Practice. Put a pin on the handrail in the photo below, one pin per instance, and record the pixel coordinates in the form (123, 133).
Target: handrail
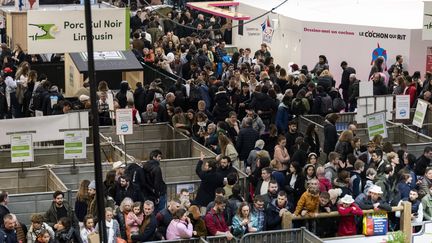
(336, 214)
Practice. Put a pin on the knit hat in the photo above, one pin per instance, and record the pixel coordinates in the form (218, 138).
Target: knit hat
(92, 185)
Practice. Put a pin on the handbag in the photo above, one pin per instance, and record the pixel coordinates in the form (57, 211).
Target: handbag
(375, 224)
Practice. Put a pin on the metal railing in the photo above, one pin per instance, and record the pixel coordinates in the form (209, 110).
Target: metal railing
(300, 235)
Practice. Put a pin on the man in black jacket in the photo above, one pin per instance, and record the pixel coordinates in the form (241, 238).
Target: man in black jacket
(152, 185)
(124, 188)
(246, 139)
(345, 81)
(60, 209)
(423, 161)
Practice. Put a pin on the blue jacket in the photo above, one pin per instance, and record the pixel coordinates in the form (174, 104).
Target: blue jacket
(404, 189)
(239, 230)
(283, 116)
(8, 236)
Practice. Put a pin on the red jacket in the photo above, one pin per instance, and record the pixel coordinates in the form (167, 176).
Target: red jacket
(215, 222)
(324, 184)
(347, 225)
(411, 91)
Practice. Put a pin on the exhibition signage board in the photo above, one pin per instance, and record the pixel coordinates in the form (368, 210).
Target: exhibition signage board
(427, 21)
(54, 31)
(75, 146)
(21, 147)
(420, 113)
(124, 121)
(376, 125)
(402, 107)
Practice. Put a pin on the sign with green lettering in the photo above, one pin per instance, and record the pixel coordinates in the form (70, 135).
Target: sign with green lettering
(54, 31)
(75, 146)
(376, 125)
(22, 148)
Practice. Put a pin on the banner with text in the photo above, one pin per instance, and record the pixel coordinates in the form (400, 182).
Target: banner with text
(376, 125)
(21, 148)
(64, 31)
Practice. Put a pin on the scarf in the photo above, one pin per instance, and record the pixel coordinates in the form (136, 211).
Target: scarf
(110, 231)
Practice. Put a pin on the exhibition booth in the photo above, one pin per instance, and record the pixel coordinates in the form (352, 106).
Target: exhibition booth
(353, 31)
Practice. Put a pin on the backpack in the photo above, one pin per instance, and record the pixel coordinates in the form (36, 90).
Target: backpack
(297, 107)
(338, 104)
(194, 94)
(326, 105)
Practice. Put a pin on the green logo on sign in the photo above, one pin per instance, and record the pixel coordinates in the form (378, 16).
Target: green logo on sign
(42, 31)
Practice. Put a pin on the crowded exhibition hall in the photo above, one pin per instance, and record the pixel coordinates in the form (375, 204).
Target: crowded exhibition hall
(231, 121)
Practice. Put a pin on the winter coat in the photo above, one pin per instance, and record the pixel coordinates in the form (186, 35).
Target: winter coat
(307, 202)
(246, 142)
(343, 149)
(215, 222)
(324, 184)
(366, 203)
(68, 236)
(257, 124)
(427, 207)
(51, 215)
(283, 116)
(147, 231)
(210, 180)
(263, 102)
(153, 185)
(239, 230)
(32, 234)
(273, 219)
(347, 225)
(330, 137)
(295, 193)
(379, 88)
(178, 229)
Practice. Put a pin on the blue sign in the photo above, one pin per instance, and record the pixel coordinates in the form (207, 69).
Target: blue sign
(124, 128)
(402, 112)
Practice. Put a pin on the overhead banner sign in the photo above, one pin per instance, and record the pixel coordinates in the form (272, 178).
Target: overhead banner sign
(376, 124)
(55, 31)
(267, 31)
(420, 113)
(402, 107)
(124, 121)
(75, 146)
(21, 148)
(427, 21)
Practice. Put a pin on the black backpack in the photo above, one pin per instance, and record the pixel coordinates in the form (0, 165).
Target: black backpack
(297, 107)
(338, 104)
(326, 105)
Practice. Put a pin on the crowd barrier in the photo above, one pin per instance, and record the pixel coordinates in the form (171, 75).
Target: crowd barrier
(55, 155)
(397, 132)
(30, 190)
(299, 235)
(405, 219)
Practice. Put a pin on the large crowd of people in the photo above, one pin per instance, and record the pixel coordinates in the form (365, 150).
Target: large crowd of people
(243, 107)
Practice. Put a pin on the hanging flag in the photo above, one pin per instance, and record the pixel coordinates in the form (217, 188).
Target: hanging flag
(267, 30)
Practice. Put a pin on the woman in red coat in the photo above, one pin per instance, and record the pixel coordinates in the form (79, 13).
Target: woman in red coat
(348, 209)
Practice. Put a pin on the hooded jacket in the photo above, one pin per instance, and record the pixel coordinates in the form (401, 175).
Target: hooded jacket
(153, 185)
(347, 223)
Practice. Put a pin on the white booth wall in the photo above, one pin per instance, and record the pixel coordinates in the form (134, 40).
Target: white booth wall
(293, 43)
